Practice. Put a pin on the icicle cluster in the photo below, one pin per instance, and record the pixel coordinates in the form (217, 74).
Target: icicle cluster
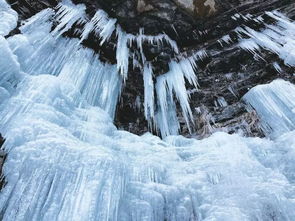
(278, 38)
(170, 84)
(41, 51)
(104, 27)
(68, 59)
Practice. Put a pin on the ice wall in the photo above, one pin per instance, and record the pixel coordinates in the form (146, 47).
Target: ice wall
(67, 161)
(70, 163)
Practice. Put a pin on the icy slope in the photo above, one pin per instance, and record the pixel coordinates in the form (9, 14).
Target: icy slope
(70, 163)
(67, 161)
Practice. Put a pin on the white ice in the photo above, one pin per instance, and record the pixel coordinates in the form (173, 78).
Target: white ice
(149, 99)
(278, 38)
(8, 18)
(67, 161)
(275, 104)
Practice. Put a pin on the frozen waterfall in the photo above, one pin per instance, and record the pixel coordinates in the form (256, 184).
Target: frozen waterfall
(67, 161)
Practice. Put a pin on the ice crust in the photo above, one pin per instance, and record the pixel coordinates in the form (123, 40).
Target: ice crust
(67, 161)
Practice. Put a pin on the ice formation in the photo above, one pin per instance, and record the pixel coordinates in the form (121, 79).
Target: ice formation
(275, 104)
(67, 161)
(149, 106)
(8, 18)
(278, 38)
(104, 27)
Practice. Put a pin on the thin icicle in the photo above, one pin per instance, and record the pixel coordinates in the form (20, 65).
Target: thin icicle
(67, 15)
(122, 53)
(103, 26)
(148, 93)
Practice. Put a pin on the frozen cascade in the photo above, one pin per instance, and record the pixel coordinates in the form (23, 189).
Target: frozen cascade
(67, 161)
(40, 52)
(275, 104)
(70, 163)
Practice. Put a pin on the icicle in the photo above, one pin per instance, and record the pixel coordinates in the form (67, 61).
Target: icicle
(41, 22)
(148, 93)
(225, 39)
(176, 83)
(166, 118)
(278, 38)
(122, 53)
(171, 83)
(67, 15)
(157, 40)
(277, 67)
(102, 25)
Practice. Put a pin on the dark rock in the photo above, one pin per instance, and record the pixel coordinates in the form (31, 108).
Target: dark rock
(2, 159)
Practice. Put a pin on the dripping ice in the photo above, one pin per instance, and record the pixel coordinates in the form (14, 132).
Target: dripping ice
(67, 161)
(277, 38)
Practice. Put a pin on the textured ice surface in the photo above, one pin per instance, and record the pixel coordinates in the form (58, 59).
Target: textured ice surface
(8, 18)
(67, 161)
(275, 105)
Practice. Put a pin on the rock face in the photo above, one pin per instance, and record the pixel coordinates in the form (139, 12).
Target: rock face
(2, 159)
(225, 75)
